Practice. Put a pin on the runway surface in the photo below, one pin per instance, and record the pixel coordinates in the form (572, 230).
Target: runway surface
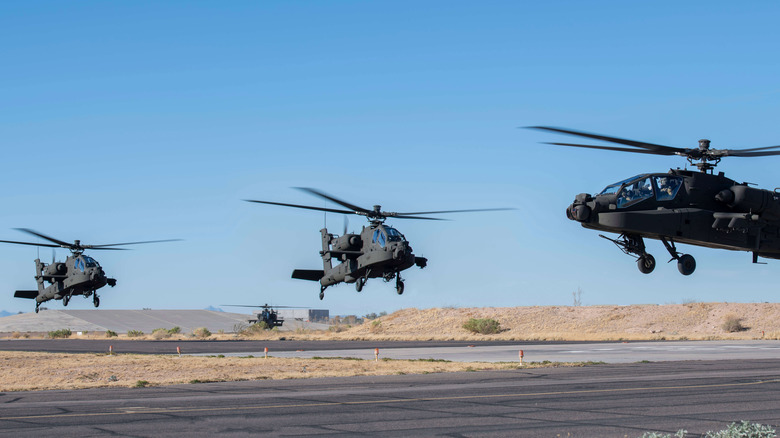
(602, 400)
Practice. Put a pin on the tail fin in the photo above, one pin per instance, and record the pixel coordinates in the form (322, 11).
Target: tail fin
(308, 274)
(30, 294)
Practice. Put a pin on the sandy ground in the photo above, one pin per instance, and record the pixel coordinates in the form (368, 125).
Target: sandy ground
(694, 321)
(23, 371)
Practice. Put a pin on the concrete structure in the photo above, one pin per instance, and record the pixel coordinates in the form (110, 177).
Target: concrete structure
(312, 315)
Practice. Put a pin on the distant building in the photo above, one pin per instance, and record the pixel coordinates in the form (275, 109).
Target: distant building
(310, 315)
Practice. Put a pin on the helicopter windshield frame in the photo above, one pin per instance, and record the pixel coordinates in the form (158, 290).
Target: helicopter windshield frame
(615, 187)
(394, 235)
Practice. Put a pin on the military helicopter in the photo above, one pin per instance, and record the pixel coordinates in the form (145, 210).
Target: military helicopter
(268, 315)
(681, 206)
(79, 274)
(378, 251)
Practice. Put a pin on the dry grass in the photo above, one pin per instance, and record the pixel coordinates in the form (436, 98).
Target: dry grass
(23, 371)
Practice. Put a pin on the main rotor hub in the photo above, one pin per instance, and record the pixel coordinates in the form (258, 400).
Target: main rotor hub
(704, 144)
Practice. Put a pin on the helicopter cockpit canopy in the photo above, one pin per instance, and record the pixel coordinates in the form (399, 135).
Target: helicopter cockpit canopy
(393, 235)
(386, 234)
(636, 189)
(84, 261)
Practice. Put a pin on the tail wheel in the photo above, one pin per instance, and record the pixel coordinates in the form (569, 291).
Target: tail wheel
(359, 283)
(322, 293)
(37, 305)
(646, 264)
(399, 287)
(65, 300)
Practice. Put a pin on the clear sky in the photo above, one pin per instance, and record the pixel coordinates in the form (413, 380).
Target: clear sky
(124, 121)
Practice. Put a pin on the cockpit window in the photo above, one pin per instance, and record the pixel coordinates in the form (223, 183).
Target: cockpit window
(79, 264)
(667, 186)
(634, 192)
(91, 263)
(380, 238)
(393, 235)
(613, 188)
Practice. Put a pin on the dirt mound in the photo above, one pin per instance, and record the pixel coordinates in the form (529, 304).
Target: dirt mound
(693, 321)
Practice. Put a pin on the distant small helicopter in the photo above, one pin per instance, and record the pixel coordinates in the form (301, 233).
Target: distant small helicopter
(79, 274)
(680, 206)
(378, 251)
(268, 315)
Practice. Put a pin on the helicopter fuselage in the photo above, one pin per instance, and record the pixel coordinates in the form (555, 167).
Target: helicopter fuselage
(77, 275)
(379, 251)
(687, 207)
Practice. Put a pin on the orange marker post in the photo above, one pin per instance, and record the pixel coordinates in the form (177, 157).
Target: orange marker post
(521, 357)
(376, 354)
(178, 350)
(110, 350)
(266, 352)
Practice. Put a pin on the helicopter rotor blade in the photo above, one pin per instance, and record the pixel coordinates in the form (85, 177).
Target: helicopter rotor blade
(346, 224)
(324, 195)
(400, 216)
(48, 245)
(107, 245)
(756, 149)
(612, 148)
(43, 236)
(742, 153)
(448, 211)
(331, 210)
(639, 144)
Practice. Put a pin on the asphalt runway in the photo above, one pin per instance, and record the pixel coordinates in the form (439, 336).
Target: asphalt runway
(602, 400)
(236, 347)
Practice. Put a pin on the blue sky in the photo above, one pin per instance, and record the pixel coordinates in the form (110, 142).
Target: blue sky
(124, 121)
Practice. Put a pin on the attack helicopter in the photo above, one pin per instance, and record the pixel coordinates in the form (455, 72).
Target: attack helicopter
(79, 274)
(378, 251)
(268, 315)
(680, 206)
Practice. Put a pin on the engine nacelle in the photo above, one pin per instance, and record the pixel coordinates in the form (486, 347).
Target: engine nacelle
(56, 269)
(746, 199)
(348, 242)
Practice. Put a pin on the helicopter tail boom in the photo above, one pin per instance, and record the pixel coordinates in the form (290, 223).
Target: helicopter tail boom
(308, 274)
(30, 294)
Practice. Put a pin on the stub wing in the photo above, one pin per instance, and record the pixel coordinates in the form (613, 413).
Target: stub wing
(31, 294)
(308, 274)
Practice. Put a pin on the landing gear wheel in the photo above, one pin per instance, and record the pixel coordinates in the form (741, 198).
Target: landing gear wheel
(686, 264)
(36, 307)
(96, 301)
(65, 300)
(359, 283)
(322, 293)
(646, 264)
(399, 287)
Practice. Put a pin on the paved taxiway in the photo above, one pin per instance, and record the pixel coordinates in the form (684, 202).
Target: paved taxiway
(602, 400)
(502, 351)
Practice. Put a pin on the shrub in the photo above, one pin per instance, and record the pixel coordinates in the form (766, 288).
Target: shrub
(111, 334)
(744, 429)
(201, 332)
(62, 333)
(733, 324)
(376, 327)
(134, 333)
(160, 333)
(483, 326)
(175, 331)
(141, 384)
